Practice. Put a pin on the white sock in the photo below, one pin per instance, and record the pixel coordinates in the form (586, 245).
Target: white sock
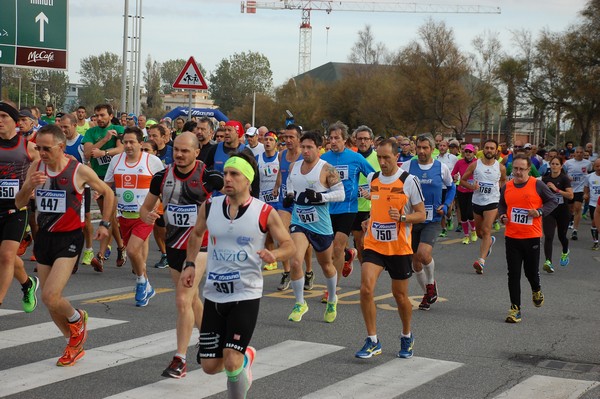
(141, 280)
(181, 355)
(331, 285)
(373, 338)
(74, 317)
(298, 287)
(429, 269)
(405, 335)
(421, 279)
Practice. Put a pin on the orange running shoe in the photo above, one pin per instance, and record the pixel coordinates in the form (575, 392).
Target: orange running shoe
(25, 242)
(78, 330)
(70, 356)
(351, 254)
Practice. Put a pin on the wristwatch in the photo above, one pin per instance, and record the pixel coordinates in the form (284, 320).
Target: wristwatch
(189, 264)
(403, 218)
(104, 223)
(540, 212)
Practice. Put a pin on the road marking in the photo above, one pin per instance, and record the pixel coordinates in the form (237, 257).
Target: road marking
(270, 360)
(121, 297)
(8, 312)
(43, 331)
(540, 386)
(388, 380)
(99, 293)
(19, 379)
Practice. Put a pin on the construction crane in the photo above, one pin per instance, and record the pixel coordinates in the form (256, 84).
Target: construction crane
(306, 6)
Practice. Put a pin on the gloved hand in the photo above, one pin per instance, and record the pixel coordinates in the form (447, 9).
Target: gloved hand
(310, 197)
(288, 200)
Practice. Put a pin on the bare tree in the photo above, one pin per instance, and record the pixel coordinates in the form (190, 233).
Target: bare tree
(366, 51)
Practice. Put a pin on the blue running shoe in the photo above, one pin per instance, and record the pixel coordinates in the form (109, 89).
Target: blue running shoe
(107, 252)
(489, 252)
(140, 292)
(369, 349)
(149, 293)
(406, 347)
(564, 259)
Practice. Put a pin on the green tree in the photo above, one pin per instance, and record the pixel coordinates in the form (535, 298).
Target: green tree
(101, 76)
(57, 83)
(238, 77)
(152, 80)
(512, 73)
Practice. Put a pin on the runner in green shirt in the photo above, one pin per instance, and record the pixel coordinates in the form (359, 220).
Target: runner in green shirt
(102, 142)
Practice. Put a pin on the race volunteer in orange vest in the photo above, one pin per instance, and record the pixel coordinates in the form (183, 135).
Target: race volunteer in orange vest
(523, 202)
(131, 172)
(396, 203)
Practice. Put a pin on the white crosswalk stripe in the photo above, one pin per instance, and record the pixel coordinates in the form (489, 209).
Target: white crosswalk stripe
(381, 381)
(540, 386)
(43, 331)
(384, 381)
(268, 361)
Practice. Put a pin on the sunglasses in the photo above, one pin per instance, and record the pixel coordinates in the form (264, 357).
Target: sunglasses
(146, 149)
(469, 151)
(44, 148)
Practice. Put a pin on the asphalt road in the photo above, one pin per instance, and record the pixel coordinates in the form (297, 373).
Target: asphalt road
(463, 347)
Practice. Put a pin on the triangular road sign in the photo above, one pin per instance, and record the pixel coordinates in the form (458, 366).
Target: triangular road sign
(190, 77)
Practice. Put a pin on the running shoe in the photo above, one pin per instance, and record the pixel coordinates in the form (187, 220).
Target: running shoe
(478, 265)
(88, 255)
(298, 311)
(121, 256)
(496, 225)
(584, 216)
(489, 252)
(78, 330)
(29, 295)
(444, 233)
(330, 312)
(176, 369)
(449, 224)
(548, 268)
(538, 298)
(570, 225)
(163, 263)
(25, 242)
(458, 228)
(325, 296)
(406, 347)
(574, 235)
(250, 355)
(140, 291)
(284, 284)
(309, 278)
(514, 315)
(596, 246)
(350, 254)
(270, 266)
(369, 349)
(473, 236)
(432, 294)
(564, 259)
(149, 294)
(424, 305)
(98, 263)
(466, 240)
(107, 252)
(32, 258)
(70, 356)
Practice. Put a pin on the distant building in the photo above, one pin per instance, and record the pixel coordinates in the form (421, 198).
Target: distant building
(180, 99)
(72, 98)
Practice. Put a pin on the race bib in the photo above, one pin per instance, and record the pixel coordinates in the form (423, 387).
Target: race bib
(343, 171)
(559, 199)
(485, 188)
(51, 201)
(577, 177)
(9, 188)
(521, 216)
(182, 215)
(225, 283)
(267, 196)
(104, 160)
(307, 215)
(384, 232)
(428, 212)
(363, 187)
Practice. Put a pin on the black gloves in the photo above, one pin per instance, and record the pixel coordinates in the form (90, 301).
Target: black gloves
(288, 200)
(310, 197)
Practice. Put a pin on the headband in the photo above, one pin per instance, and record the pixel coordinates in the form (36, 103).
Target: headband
(271, 134)
(10, 110)
(242, 165)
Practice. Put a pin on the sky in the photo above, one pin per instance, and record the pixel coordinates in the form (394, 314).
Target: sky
(211, 30)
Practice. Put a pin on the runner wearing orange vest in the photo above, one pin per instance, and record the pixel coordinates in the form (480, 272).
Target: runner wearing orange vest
(523, 202)
(396, 204)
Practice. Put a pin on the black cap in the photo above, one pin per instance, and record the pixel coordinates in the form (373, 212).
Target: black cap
(27, 114)
(10, 110)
